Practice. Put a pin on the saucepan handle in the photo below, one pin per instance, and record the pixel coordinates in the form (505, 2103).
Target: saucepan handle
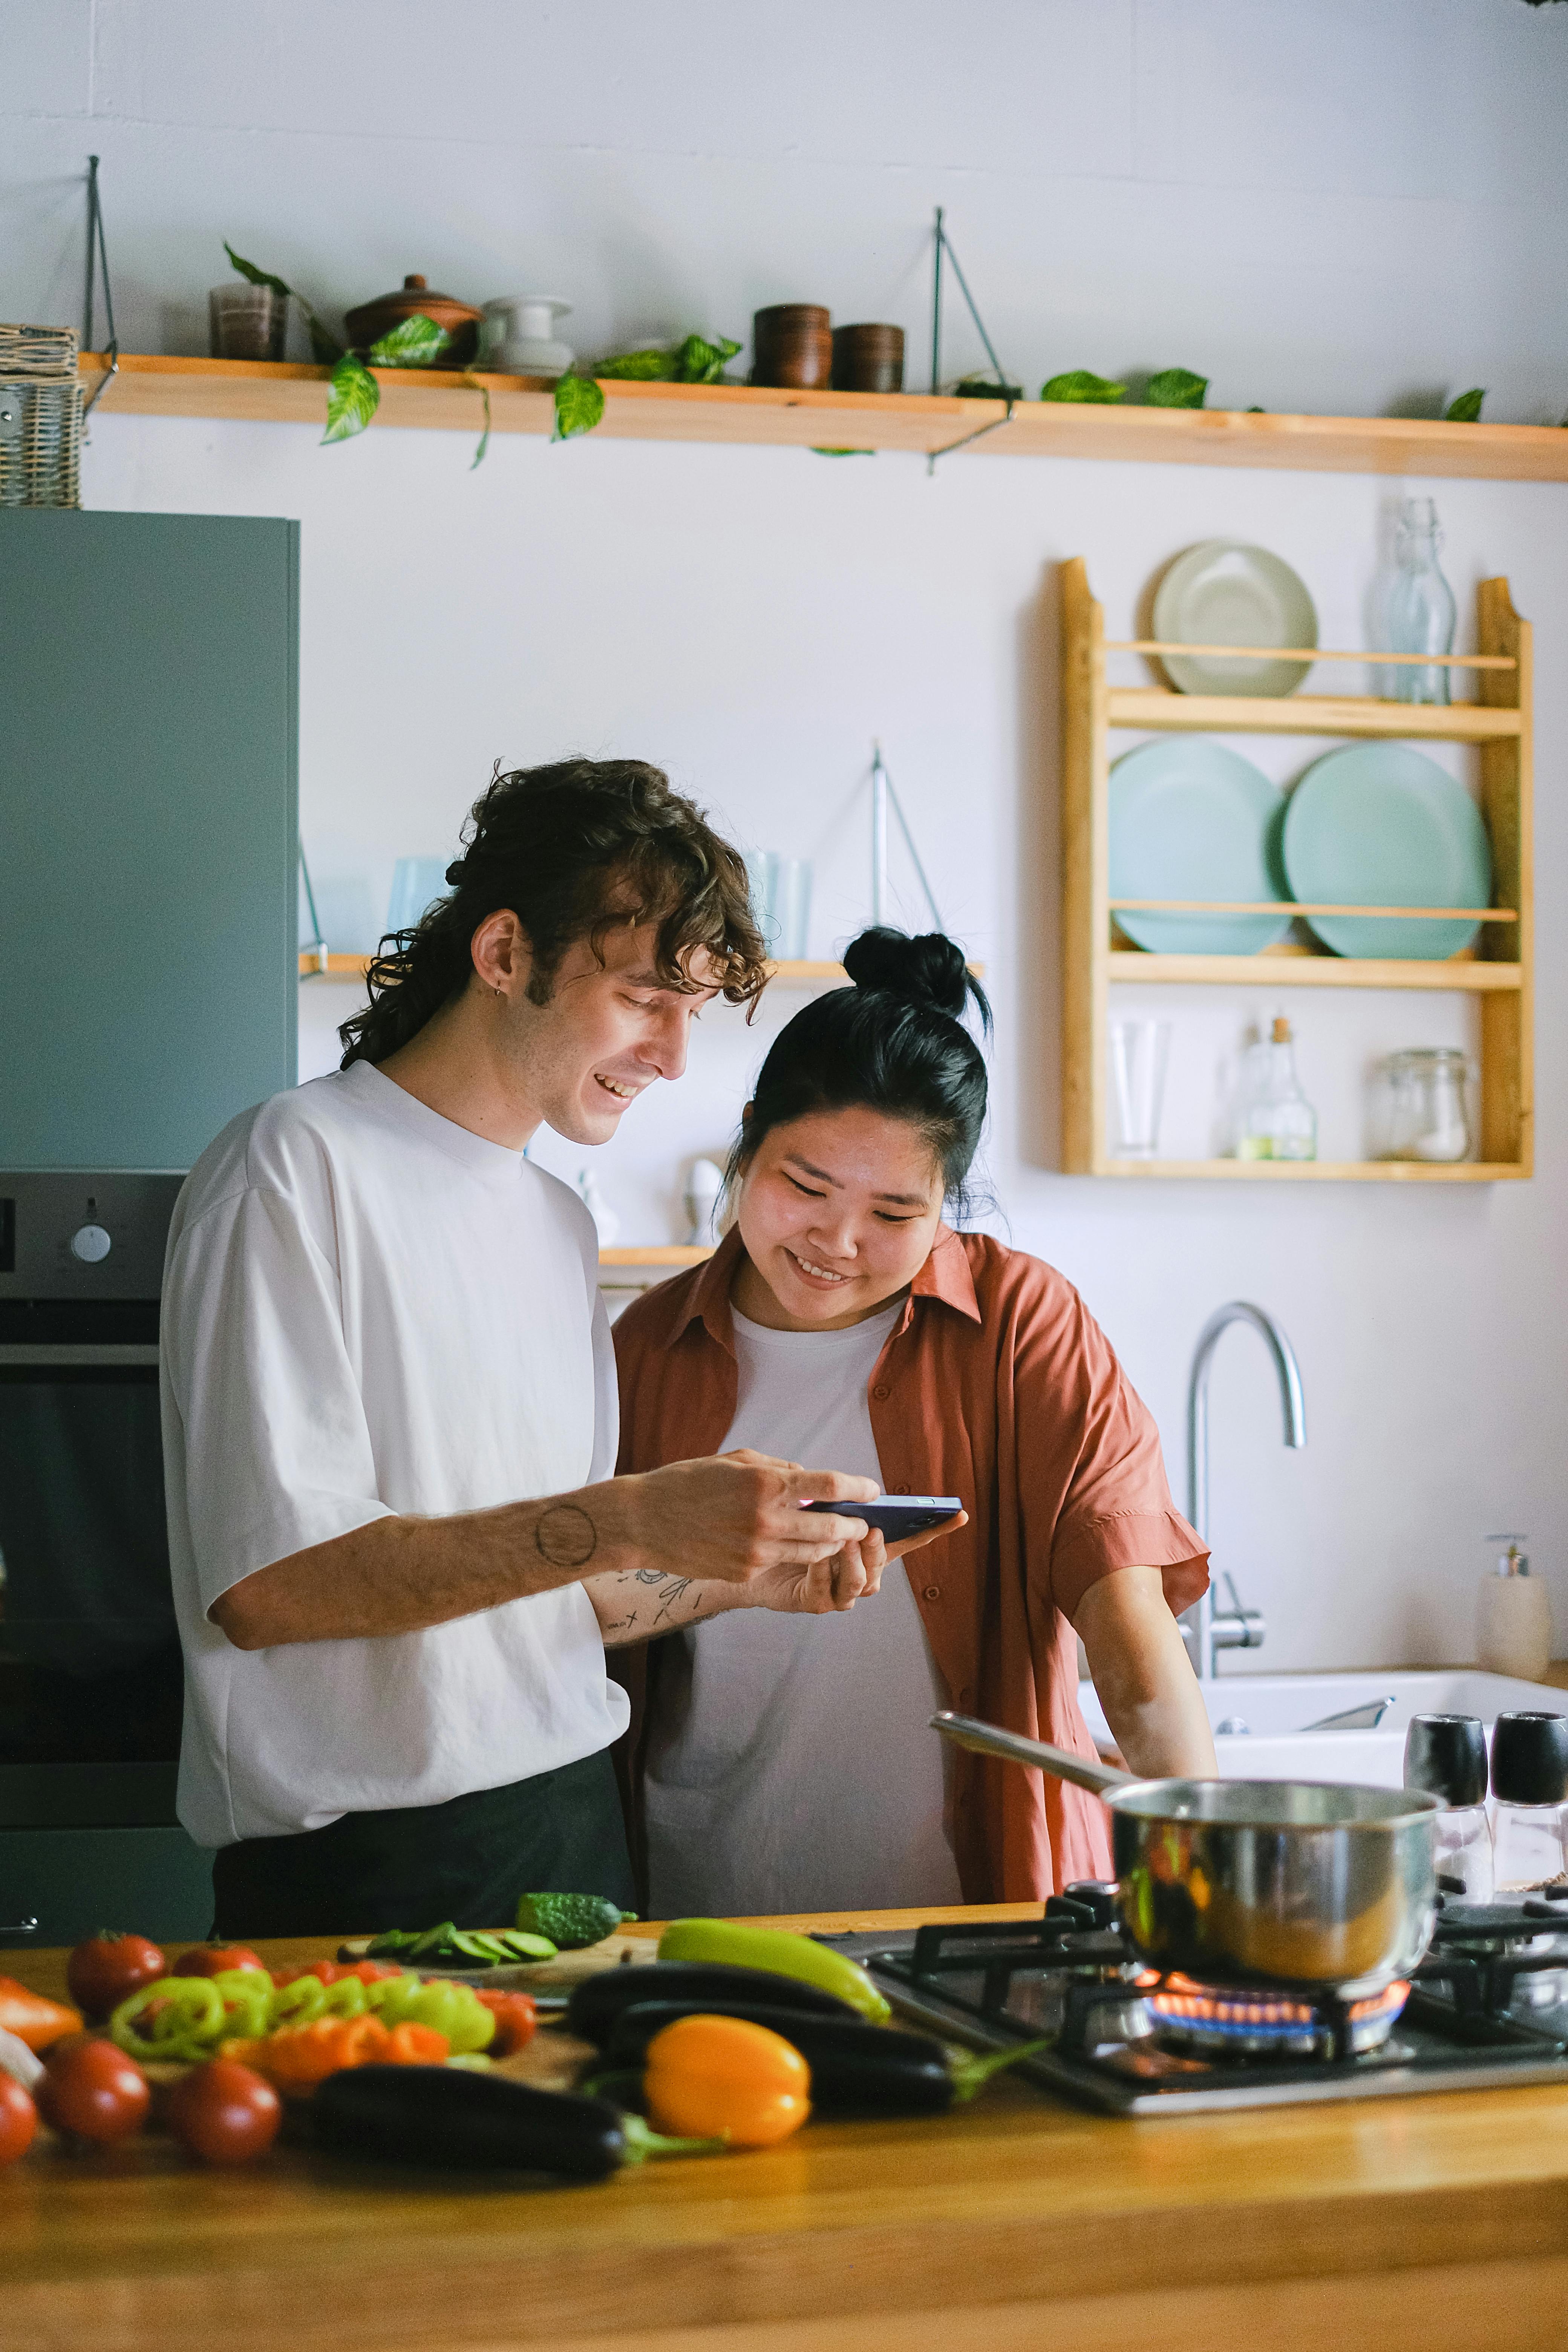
(985, 1739)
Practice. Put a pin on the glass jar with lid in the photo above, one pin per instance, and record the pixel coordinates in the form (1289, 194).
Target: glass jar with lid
(1426, 1113)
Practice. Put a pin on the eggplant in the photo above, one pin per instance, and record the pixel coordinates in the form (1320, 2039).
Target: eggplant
(599, 2001)
(455, 2119)
(854, 2067)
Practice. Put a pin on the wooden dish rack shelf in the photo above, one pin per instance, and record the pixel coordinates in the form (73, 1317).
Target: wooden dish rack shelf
(1499, 970)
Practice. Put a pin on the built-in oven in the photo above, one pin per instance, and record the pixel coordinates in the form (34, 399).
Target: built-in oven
(90, 1675)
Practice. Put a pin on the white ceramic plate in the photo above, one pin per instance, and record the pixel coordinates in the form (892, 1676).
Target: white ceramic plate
(1383, 825)
(1192, 819)
(1225, 593)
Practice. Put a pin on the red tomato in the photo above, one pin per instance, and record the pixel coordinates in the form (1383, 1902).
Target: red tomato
(92, 2089)
(109, 1967)
(211, 1959)
(18, 2120)
(516, 2017)
(224, 2113)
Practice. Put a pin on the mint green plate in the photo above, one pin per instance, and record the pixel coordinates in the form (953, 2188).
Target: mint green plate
(1380, 824)
(1190, 819)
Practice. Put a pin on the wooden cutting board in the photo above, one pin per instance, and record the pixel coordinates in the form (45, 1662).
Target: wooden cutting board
(558, 1975)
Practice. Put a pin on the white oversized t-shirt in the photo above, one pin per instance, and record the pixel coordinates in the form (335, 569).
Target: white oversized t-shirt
(791, 1765)
(370, 1311)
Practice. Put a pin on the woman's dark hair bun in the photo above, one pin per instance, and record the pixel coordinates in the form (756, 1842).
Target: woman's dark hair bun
(927, 970)
(894, 1042)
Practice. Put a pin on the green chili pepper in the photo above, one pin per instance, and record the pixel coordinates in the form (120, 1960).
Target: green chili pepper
(298, 2003)
(345, 1998)
(783, 1955)
(186, 2020)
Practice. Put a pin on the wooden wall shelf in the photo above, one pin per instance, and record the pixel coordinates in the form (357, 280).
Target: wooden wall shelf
(1501, 973)
(666, 1254)
(280, 392)
(784, 976)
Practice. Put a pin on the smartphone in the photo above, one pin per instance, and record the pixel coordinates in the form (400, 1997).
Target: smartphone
(897, 1516)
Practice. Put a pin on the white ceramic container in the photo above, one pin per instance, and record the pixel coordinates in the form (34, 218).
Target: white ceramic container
(518, 336)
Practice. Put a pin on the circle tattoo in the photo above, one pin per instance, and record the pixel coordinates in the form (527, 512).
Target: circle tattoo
(564, 1535)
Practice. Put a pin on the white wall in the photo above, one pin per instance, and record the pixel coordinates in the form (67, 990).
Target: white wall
(1327, 205)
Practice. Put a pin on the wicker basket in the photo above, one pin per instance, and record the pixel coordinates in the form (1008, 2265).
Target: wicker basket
(40, 418)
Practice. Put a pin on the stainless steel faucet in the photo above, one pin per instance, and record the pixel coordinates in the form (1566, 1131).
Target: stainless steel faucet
(1209, 1630)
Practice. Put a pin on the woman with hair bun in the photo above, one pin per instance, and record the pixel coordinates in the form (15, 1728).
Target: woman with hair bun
(783, 1761)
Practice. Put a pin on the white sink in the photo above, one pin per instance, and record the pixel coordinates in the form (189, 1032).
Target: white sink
(1276, 1709)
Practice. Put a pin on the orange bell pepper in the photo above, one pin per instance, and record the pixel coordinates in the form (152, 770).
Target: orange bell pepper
(32, 2019)
(516, 2015)
(297, 2057)
(725, 2078)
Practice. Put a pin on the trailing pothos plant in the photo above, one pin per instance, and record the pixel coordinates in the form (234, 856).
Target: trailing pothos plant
(580, 403)
(354, 394)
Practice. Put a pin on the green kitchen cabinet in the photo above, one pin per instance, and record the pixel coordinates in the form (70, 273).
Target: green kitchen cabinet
(148, 832)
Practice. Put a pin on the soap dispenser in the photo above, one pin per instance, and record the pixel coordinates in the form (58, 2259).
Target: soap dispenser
(1513, 1617)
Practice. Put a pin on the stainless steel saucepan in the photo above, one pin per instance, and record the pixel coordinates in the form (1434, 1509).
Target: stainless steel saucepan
(1306, 1882)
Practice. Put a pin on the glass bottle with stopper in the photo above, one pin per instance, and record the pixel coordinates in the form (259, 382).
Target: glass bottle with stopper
(1277, 1122)
(1420, 611)
(1447, 1754)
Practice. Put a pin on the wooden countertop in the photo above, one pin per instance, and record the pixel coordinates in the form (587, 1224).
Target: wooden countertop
(1014, 2224)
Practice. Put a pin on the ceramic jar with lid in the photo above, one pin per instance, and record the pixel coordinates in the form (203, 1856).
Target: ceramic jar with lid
(415, 300)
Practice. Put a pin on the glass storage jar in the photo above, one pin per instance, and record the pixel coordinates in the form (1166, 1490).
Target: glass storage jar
(1427, 1115)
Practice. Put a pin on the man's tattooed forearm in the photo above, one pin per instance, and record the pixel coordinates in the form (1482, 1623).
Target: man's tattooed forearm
(564, 1535)
(677, 1585)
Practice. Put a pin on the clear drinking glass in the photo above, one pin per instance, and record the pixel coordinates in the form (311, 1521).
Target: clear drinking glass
(1420, 611)
(415, 882)
(791, 908)
(248, 322)
(1139, 1051)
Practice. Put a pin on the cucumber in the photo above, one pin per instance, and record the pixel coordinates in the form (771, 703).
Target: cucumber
(571, 1921)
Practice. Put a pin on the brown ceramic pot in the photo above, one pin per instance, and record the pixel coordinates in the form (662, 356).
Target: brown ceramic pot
(868, 359)
(415, 300)
(792, 345)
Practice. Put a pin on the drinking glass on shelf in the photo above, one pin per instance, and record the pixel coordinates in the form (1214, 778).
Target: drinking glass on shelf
(248, 322)
(1139, 1051)
(791, 908)
(415, 883)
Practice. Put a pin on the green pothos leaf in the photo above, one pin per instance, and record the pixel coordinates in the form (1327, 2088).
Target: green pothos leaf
(637, 367)
(256, 277)
(578, 404)
(1175, 388)
(353, 396)
(701, 362)
(412, 342)
(484, 391)
(1467, 408)
(1082, 384)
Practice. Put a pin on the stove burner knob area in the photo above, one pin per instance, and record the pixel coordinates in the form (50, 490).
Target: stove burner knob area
(91, 1245)
(1097, 1896)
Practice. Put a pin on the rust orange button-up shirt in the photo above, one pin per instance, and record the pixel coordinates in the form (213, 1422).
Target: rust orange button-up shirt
(997, 1385)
